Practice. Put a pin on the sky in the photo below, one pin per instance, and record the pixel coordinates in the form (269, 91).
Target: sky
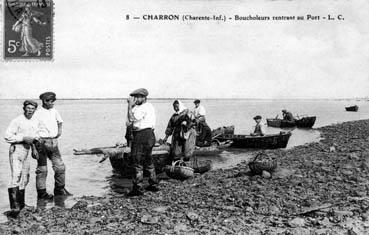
(99, 54)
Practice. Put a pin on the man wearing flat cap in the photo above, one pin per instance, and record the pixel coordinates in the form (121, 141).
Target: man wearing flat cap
(142, 116)
(52, 121)
(22, 132)
(258, 129)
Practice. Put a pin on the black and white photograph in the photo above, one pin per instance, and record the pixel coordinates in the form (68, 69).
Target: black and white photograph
(184, 117)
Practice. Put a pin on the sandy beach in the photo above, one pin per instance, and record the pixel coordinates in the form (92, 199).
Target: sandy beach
(318, 188)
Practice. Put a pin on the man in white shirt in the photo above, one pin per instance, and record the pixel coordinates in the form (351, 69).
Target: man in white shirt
(21, 133)
(52, 121)
(142, 116)
(199, 111)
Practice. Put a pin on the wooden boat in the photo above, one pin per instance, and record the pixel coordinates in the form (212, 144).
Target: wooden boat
(260, 142)
(354, 108)
(303, 122)
(122, 162)
(225, 130)
(276, 122)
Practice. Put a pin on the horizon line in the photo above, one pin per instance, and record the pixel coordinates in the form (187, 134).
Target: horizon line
(186, 98)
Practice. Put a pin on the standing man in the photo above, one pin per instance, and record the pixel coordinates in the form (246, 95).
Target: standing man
(142, 116)
(199, 112)
(52, 121)
(21, 133)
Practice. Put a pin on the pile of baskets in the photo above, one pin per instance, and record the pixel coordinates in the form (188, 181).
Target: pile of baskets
(262, 162)
(179, 170)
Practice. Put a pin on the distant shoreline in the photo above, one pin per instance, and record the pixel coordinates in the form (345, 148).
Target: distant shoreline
(317, 99)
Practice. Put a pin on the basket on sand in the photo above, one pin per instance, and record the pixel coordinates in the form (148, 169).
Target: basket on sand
(262, 162)
(178, 170)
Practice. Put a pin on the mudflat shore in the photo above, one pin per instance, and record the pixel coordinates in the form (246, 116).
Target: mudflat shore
(318, 188)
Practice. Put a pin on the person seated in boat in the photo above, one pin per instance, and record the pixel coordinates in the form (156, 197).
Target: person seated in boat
(287, 116)
(199, 112)
(259, 128)
(182, 129)
(203, 138)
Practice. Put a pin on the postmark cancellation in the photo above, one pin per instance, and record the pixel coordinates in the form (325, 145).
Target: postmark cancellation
(28, 30)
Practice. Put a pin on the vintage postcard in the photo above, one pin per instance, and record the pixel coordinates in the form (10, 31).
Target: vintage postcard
(28, 30)
(184, 117)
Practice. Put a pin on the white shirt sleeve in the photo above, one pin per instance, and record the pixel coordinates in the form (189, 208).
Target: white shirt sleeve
(58, 117)
(12, 135)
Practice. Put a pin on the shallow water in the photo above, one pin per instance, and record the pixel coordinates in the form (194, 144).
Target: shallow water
(97, 123)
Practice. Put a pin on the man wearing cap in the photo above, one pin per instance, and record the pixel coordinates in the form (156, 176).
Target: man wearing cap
(259, 129)
(199, 111)
(287, 116)
(52, 121)
(142, 116)
(203, 130)
(21, 134)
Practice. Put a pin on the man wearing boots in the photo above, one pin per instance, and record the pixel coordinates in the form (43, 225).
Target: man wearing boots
(51, 119)
(21, 133)
(142, 116)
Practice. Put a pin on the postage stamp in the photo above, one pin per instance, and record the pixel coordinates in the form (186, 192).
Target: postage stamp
(28, 30)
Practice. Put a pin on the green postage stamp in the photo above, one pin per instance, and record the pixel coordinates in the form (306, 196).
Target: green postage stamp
(28, 30)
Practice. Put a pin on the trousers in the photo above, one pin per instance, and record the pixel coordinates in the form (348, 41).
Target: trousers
(19, 165)
(141, 154)
(49, 150)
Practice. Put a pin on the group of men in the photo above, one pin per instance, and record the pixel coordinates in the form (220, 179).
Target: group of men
(37, 131)
(184, 127)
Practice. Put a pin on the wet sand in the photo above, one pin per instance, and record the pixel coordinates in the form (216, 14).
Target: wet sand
(318, 188)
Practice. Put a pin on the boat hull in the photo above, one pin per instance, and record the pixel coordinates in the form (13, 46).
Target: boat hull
(258, 142)
(304, 122)
(354, 108)
(121, 162)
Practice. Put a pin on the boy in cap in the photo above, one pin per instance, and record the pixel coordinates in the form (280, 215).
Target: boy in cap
(259, 129)
(51, 119)
(21, 133)
(142, 116)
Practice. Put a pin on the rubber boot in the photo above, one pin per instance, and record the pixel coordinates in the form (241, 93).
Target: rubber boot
(61, 191)
(14, 202)
(136, 191)
(42, 194)
(21, 199)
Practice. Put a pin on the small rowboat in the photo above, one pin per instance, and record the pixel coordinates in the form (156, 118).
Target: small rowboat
(304, 122)
(122, 162)
(276, 122)
(259, 142)
(354, 108)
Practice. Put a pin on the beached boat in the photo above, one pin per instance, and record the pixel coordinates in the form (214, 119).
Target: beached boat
(354, 108)
(303, 122)
(122, 162)
(260, 142)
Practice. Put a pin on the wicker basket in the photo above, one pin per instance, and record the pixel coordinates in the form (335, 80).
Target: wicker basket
(266, 164)
(178, 170)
